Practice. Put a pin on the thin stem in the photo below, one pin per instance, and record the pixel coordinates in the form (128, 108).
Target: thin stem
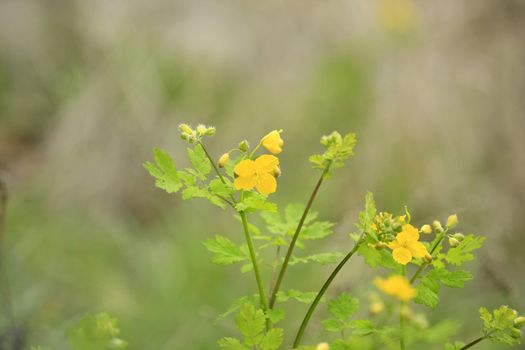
(253, 257)
(284, 266)
(402, 320)
(212, 162)
(425, 264)
(474, 342)
(254, 150)
(321, 292)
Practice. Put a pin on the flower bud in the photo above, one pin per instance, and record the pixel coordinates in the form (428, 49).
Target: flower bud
(184, 136)
(452, 221)
(426, 229)
(210, 131)
(376, 308)
(437, 226)
(185, 128)
(276, 172)
(428, 258)
(322, 346)
(453, 242)
(459, 236)
(380, 245)
(223, 160)
(515, 333)
(519, 322)
(201, 129)
(244, 146)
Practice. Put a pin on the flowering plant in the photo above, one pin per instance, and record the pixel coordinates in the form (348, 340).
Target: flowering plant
(418, 262)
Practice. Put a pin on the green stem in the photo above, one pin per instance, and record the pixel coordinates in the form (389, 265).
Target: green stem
(321, 292)
(474, 342)
(253, 257)
(284, 266)
(212, 162)
(425, 264)
(402, 320)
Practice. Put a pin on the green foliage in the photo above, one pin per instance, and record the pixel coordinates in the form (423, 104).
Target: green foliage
(99, 332)
(251, 322)
(338, 149)
(253, 201)
(428, 289)
(463, 252)
(499, 326)
(164, 171)
(225, 252)
(302, 297)
(341, 309)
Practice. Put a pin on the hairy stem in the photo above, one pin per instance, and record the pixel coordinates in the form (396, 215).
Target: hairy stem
(253, 257)
(474, 342)
(321, 292)
(284, 266)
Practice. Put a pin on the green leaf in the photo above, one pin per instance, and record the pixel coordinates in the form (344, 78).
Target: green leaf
(255, 202)
(201, 163)
(338, 149)
(366, 217)
(343, 306)
(251, 322)
(499, 326)
(321, 258)
(302, 297)
(317, 230)
(225, 252)
(427, 292)
(362, 327)
(272, 340)
(164, 171)
(96, 332)
(333, 325)
(217, 187)
(231, 344)
(462, 253)
(453, 279)
(275, 315)
(234, 307)
(374, 257)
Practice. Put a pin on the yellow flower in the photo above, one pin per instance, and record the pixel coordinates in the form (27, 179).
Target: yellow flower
(223, 160)
(396, 286)
(273, 141)
(322, 346)
(258, 174)
(407, 245)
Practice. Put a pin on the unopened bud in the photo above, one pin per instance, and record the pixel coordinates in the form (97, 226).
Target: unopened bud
(276, 172)
(452, 221)
(201, 129)
(185, 128)
(223, 160)
(459, 236)
(428, 258)
(244, 146)
(519, 322)
(426, 229)
(515, 333)
(376, 308)
(437, 226)
(210, 131)
(453, 242)
(184, 136)
(380, 245)
(322, 346)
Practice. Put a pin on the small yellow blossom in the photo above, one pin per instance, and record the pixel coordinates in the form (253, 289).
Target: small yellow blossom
(452, 221)
(396, 286)
(223, 160)
(426, 229)
(322, 346)
(407, 246)
(273, 141)
(258, 174)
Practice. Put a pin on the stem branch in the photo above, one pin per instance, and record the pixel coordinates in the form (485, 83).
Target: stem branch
(474, 342)
(321, 292)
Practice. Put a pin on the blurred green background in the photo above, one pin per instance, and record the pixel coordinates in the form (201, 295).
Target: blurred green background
(434, 91)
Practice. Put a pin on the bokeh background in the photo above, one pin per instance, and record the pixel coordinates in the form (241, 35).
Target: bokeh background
(434, 90)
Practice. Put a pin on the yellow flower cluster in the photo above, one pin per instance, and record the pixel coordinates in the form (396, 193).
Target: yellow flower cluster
(406, 246)
(396, 286)
(261, 173)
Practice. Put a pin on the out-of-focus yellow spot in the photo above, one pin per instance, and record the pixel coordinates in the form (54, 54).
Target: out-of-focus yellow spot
(396, 286)
(397, 15)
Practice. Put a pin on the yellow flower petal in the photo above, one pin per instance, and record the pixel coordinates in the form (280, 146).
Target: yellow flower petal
(244, 183)
(402, 255)
(396, 286)
(273, 142)
(417, 249)
(266, 163)
(245, 168)
(266, 184)
(409, 233)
